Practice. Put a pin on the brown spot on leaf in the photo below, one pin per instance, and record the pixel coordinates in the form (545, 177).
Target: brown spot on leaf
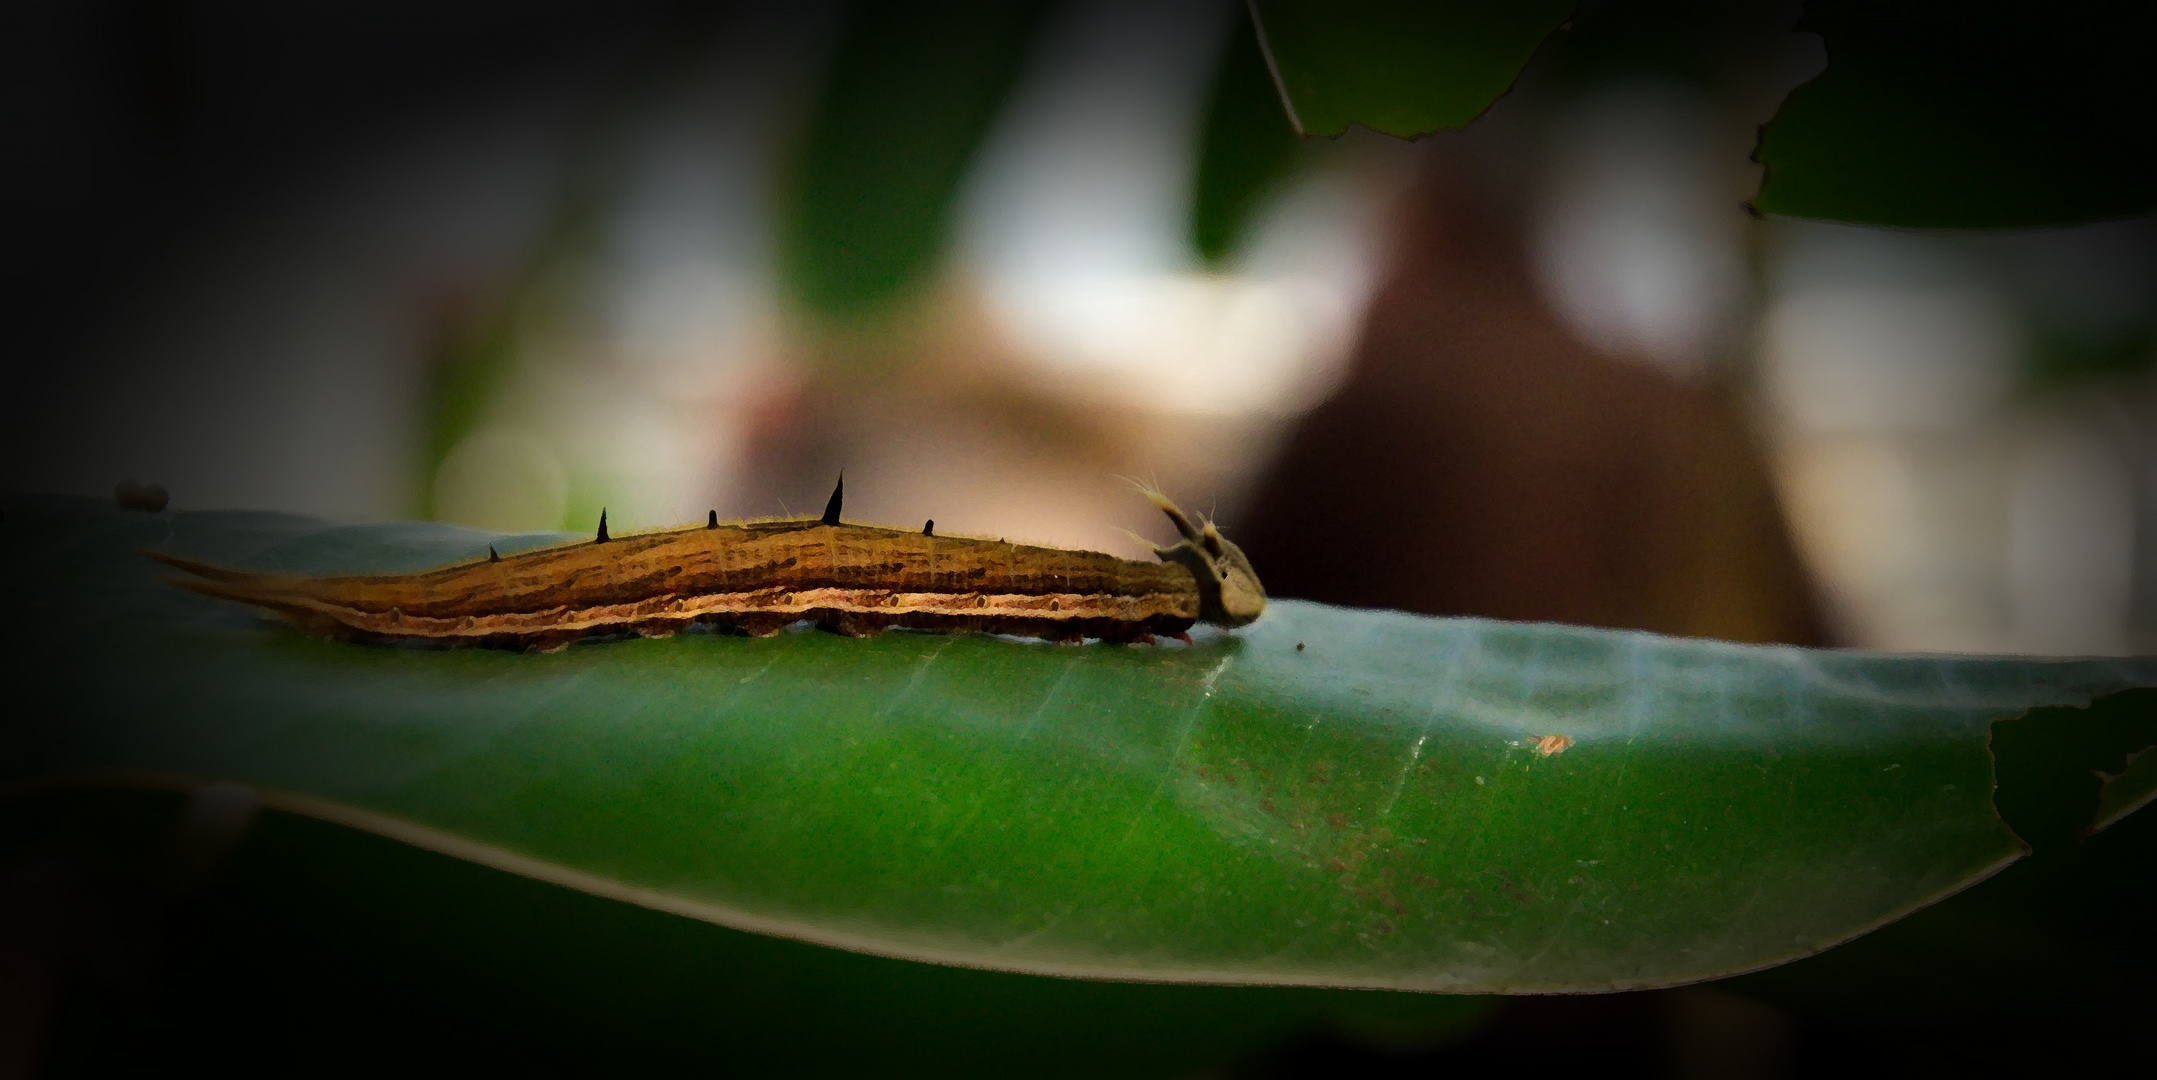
(1552, 745)
(1337, 821)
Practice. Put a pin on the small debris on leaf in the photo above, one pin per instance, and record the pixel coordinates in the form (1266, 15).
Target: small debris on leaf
(1552, 745)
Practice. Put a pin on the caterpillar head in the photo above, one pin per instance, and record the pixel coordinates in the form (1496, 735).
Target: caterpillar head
(1229, 594)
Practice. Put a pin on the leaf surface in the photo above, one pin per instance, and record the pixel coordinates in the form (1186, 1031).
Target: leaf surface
(311, 935)
(1371, 809)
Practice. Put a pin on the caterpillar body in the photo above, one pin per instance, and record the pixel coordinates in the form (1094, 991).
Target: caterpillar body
(759, 577)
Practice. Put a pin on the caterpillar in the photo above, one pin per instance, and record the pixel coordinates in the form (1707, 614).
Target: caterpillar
(759, 577)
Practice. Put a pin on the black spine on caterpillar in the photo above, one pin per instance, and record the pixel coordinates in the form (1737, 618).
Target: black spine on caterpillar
(838, 494)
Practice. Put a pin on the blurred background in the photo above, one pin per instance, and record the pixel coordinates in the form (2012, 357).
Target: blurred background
(505, 264)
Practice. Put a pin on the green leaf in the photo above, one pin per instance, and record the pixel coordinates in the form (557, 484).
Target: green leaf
(313, 935)
(2066, 773)
(1370, 809)
(1246, 148)
(1950, 115)
(2048, 961)
(1399, 67)
(909, 97)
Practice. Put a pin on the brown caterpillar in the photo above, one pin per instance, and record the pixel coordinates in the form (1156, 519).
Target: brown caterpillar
(759, 577)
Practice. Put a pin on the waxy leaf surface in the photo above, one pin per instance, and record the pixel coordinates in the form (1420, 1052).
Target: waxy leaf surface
(1371, 808)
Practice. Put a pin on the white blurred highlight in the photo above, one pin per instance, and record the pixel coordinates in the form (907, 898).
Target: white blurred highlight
(1637, 236)
(1941, 509)
(1073, 224)
(1888, 357)
(665, 337)
(2070, 544)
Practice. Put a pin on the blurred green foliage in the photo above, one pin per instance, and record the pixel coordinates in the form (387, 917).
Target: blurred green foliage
(1938, 114)
(1398, 66)
(910, 95)
(1930, 114)
(2067, 355)
(1246, 148)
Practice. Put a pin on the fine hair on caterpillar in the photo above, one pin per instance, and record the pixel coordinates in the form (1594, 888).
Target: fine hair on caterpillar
(759, 577)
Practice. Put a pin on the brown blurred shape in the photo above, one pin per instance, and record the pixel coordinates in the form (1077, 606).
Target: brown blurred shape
(1480, 461)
